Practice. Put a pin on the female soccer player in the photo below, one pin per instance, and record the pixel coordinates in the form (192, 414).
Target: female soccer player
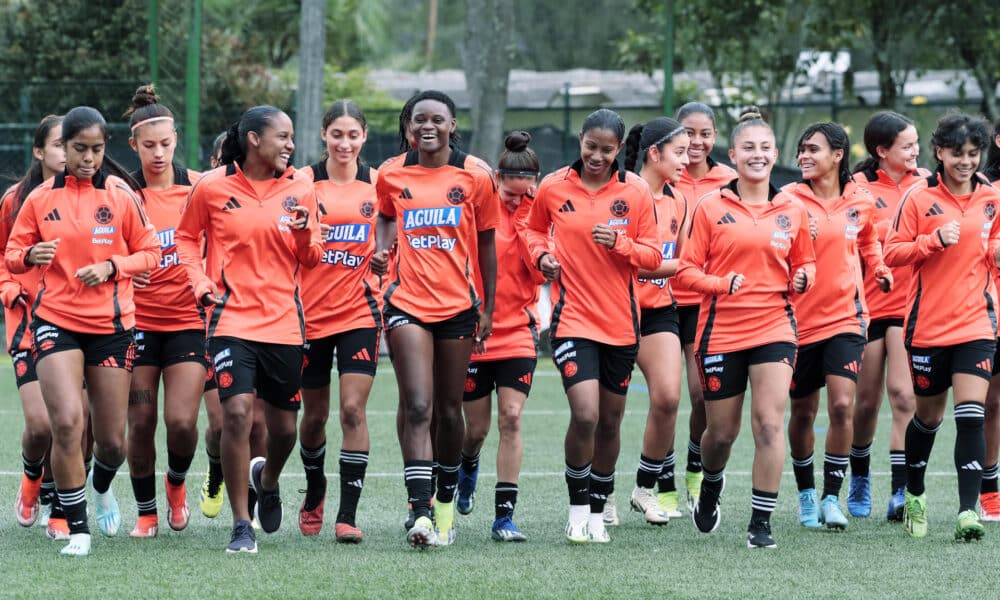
(603, 231)
(441, 205)
(702, 175)
(170, 332)
(748, 250)
(258, 216)
(507, 363)
(889, 170)
(989, 493)
(84, 318)
(37, 489)
(341, 301)
(946, 225)
(832, 318)
(662, 145)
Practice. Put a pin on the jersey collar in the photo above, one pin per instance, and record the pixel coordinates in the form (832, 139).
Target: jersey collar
(180, 176)
(321, 174)
(578, 167)
(771, 190)
(457, 158)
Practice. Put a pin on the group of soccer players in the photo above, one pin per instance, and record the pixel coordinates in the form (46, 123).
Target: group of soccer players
(241, 285)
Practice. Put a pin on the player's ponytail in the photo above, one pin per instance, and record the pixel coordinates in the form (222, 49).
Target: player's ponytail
(256, 119)
(34, 176)
(992, 168)
(632, 147)
(657, 133)
(881, 131)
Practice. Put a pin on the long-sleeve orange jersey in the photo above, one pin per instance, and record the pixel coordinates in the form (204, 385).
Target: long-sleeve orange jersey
(167, 304)
(836, 304)
(595, 295)
(691, 190)
(95, 220)
(252, 255)
(16, 317)
(438, 213)
(657, 293)
(515, 316)
(887, 195)
(951, 299)
(767, 244)
(341, 293)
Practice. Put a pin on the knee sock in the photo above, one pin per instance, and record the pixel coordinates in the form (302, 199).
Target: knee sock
(74, 505)
(447, 482)
(417, 474)
(711, 487)
(103, 474)
(834, 470)
(33, 468)
(665, 482)
(762, 505)
(694, 457)
(470, 464)
(805, 478)
(602, 485)
(989, 484)
(353, 465)
(578, 484)
(897, 468)
(970, 450)
(649, 470)
(177, 467)
(505, 496)
(313, 462)
(144, 489)
(919, 441)
(861, 460)
(214, 473)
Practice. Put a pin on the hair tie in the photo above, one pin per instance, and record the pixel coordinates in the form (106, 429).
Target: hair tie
(150, 120)
(518, 173)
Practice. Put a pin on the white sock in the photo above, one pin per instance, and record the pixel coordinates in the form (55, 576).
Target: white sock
(579, 513)
(596, 521)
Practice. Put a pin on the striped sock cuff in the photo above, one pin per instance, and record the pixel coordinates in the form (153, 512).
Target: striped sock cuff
(861, 451)
(417, 469)
(648, 465)
(356, 457)
(602, 477)
(694, 447)
(103, 465)
(505, 486)
(714, 476)
(925, 428)
(313, 453)
(763, 501)
(669, 460)
(839, 460)
(443, 468)
(578, 472)
(897, 457)
(72, 497)
(213, 460)
(50, 486)
(146, 505)
(970, 410)
(802, 462)
(991, 471)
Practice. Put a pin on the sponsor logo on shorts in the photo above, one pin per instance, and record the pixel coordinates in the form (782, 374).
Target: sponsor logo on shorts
(225, 379)
(714, 384)
(225, 353)
(570, 369)
(46, 345)
(20, 368)
(563, 347)
(397, 321)
(715, 358)
(923, 382)
(470, 385)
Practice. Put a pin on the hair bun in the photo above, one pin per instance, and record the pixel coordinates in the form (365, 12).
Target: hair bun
(751, 113)
(517, 141)
(145, 95)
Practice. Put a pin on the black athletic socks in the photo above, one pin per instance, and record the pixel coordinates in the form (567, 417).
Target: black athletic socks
(805, 478)
(861, 460)
(505, 496)
(970, 450)
(144, 489)
(353, 464)
(919, 441)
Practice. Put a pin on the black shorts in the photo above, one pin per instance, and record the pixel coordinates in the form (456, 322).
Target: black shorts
(996, 361)
(725, 375)
(582, 360)
(163, 349)
(484, 377)
(116, 350)
(357, 352)
(876, 329)
(839, 355)
(210, 384)
(688, 318)
(459, 327)
(659, 320)
(272, 371)
(932, 368)
(24, 367)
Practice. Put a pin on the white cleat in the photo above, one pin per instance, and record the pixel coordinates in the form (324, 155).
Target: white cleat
(610, 514)
(644, 500)
(79, 545)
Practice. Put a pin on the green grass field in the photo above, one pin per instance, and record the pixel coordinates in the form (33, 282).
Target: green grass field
(872, 558)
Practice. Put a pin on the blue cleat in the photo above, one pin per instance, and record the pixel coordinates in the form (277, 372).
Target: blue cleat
(504, 530)
(896, 503)
(831, 514)
(466, 490)
(859, 498)
(809, 509)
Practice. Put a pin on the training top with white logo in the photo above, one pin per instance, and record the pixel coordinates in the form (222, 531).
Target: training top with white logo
(16, 317)
(658, 292)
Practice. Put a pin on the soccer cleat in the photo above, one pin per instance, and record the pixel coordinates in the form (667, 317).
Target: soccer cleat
(444, 520)
(669, 503)
(57, 529)
(759, 535)
(859, 498)
(243, 539)
(915, 515)
(421, 536)
(969, 528)
(597, 533)
(831, 514)
(311, 521)
(504, 530)
(146, 526)
(178, 513)
(79, 545)
(643, 500)
(268, 503)
(44, 512)
(808, 509)
(348, 534)
(466, 495)
(252, 504)
(411, 517)
(211, 504)
(692, 481)
(610, 514)
(989, 506)
(26, 502)
(706, 518)
(109, 517)
(896, 503)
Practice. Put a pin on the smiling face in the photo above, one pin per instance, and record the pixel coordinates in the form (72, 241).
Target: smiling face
(512, 189)
(432, 125)
(902, 155)
(155, 143)
(274, 145)
(52, 155)
(85, 152)
(816, 158)
(959, 164)
(754, 153)
(701, 132)
(598, 149)
(344, 138)
(671, 158)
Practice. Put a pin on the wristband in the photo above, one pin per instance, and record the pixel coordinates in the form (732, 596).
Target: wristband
(938, 231)
(27, 255)
(114, 270)
(732, 282)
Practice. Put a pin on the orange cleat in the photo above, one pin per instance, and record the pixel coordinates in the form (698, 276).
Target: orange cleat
(146, 526)
(348, 534)
(989, 506)
(311, 521)
(26, 503)
(178, 513)
(57, 529)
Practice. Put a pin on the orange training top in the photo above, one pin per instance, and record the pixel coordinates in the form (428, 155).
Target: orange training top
(16, 317)
(952, 297)
(252, 256)
(95, 220)
(767, 244)
(692, 190)
(515, 317)
(341, 293)
(595, 296)
(836, 304)
(167, 303)
(657, 293)
(887, 195)
(438, 213)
